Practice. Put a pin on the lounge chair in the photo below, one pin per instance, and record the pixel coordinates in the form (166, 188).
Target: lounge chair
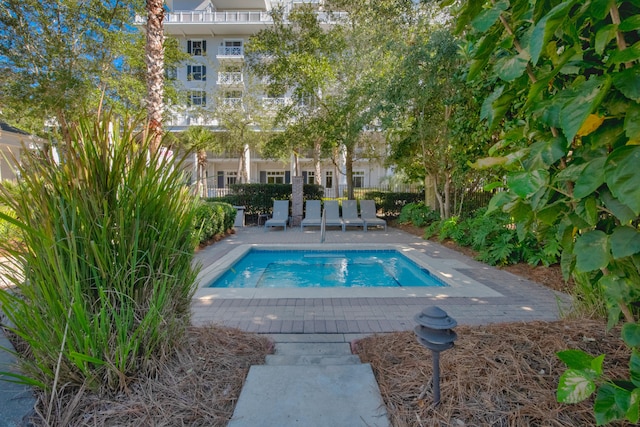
(280, 216)
(350, 216)
(312, 216)
(332, 214)
(368, 215)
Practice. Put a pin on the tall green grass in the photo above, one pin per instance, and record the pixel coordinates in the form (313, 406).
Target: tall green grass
(105, 279)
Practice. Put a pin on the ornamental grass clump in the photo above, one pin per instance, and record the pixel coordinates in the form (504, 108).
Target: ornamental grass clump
(104, 280)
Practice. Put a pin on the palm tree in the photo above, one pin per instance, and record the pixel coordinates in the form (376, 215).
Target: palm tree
(199, 139)
(154, 57)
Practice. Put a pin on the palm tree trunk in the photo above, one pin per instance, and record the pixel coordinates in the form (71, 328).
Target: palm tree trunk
(155, 70)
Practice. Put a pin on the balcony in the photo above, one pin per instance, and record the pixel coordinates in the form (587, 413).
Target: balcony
(274, 103)
(231, 79)
(222, 23)
(232, 102)
(230, 53)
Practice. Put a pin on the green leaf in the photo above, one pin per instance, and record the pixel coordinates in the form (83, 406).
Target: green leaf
(495, 106)
(605, 407)
(604, 36)
(633, 413)
(499, 200)
(592, 251)
(619, 210)
(550, 213)
(591, 178)
(600, 8)
(624, 241)
(511, 67)
(472, 9)
(628, 82)
(574, 386)
(546, 27)
(584, 100)
(632, 23)
(622, 177)
(543, 154)
(525, 184)
(485, 19)
(576, 359)
(631, 337)
(632, 122)
(630, 54)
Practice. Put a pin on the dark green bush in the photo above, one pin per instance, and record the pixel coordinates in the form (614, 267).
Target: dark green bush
(213, 219)
(418, 214)
(391, 204)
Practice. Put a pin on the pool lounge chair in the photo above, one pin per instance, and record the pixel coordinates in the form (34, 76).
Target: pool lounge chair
(332, 214)
(368, 215)
(312, 215)
(350, 216)
(280, 216)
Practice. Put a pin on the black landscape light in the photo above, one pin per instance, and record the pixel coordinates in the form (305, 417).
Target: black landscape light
(434, 332)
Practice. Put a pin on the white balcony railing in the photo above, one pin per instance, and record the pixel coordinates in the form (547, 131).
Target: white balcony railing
(230, 78)
(273, 103)
(198, 16)
(231, 51)
(232, 102)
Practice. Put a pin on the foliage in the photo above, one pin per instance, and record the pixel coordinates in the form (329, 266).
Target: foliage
(258, 198)
(59, 60)
(105, 277)
(568, 75)
(213, 219)
(8, 231)
(390, 203)
(417, 214)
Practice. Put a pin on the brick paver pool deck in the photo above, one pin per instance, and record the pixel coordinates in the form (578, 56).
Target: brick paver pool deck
(311, 312)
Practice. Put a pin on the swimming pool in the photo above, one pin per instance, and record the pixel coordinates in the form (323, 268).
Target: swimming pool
(324, 269)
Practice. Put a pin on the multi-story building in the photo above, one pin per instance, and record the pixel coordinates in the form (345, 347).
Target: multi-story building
(214, 33)
(12, 142)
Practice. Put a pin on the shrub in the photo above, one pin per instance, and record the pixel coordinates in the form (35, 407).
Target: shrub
(213, 219)
(8, 231)
(417, 214)
(107, 258)
(391, 203)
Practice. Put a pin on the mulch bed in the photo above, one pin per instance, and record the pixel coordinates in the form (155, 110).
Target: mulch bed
(498, 375)
(198, 386)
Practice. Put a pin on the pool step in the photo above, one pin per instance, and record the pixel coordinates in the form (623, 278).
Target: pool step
(312, 354)
(312, 381)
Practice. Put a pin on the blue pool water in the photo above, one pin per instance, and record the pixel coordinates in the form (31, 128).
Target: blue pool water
(324, 269)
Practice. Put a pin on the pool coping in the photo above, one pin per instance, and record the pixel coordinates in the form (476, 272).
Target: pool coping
(446, 270)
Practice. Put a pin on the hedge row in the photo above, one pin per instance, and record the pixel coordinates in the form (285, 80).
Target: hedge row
(213, 219)
(258, 198)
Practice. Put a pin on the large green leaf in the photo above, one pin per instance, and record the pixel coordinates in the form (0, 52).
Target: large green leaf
(586, 97)
(543, 154)
(632, 23)
(631, 337)
(632, 122)
(485, 19)
(511, 67)
(495, 106)
(546, 27)
(576, 359)
(591, 178)
(622, 177)
(471, 9)
(624, 241)
(592, 251)
(600, 8)
(619, 210)
(574, 386)
(526, 184)
(606, 407)
(628, 82)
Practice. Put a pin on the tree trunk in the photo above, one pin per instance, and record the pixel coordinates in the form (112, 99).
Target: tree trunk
(155, 70)
(349, 172)
(316, 162)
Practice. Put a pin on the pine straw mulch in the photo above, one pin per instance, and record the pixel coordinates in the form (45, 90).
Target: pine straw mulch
(498, 375)
(198, 386)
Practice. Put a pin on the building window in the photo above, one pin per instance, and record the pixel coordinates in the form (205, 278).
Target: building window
(232, 178)
(171, 73)
(232, 48)
(275, 177)
(197, 47)
(196, 72)
(232, 98)
(311, 177)
(358, 179)
(197, 98)
(328, 179)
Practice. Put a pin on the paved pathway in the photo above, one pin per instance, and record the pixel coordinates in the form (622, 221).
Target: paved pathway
(519, 299)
